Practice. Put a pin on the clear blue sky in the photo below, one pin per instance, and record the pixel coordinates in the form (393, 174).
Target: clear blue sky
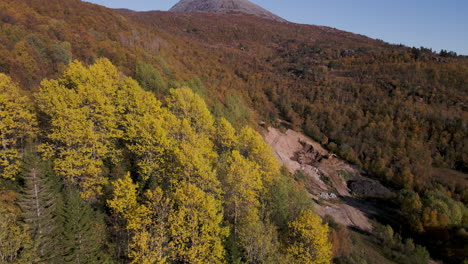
(441, 24)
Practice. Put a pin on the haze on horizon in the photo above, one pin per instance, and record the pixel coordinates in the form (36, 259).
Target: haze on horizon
(432, 24)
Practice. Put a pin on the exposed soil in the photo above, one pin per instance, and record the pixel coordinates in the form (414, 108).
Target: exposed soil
(325, 176)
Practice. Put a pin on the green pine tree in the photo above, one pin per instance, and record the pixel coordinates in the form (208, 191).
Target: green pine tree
(38, 203)
(83, 231)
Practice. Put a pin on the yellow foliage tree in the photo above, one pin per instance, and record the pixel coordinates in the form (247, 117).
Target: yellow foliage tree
(155, 230)
(149, 142)
(124, 199)
(17, 122)
(253, 147)
(185, 104)
(225, 137)
(83, 123)
(166, 144)
(16, 245)
(146, 223)
(309, 240)
(146, 131)
(192, 159)
(242, 184)
(173, 155)
(259, 241)
(196, 235)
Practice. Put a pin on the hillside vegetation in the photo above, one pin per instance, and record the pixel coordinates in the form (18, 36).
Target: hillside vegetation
(175, 142)
(178, 184)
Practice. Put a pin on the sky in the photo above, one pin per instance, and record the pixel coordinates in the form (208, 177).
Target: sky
(441, 24)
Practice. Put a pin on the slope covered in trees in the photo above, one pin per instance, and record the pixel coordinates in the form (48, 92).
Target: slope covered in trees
(399, 113)
(322, 80)
(173, 183)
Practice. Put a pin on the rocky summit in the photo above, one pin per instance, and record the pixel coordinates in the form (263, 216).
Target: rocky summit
(224, 6)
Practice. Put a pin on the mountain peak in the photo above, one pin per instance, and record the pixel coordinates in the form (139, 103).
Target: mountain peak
(224, 6)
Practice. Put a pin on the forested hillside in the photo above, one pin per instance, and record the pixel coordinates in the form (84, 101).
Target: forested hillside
(109, 172)
(143, 126)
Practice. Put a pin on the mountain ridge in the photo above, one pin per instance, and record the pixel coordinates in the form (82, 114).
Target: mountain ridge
(224, 6)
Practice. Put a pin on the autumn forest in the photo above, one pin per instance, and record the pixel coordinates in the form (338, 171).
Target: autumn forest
(137, 137)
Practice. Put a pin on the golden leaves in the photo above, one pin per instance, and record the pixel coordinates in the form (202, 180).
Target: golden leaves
(309, 240)
(17, 122)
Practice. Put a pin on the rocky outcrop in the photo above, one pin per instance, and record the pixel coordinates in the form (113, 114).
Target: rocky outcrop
(224, 6)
